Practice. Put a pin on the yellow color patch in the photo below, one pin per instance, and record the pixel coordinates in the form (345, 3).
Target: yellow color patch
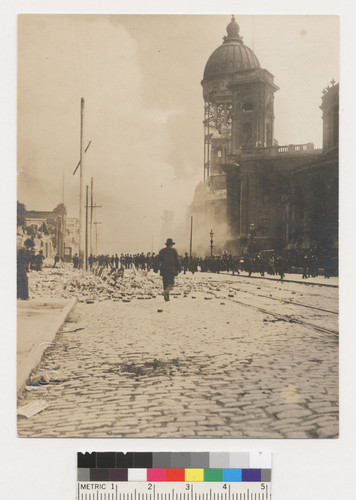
(194, 474)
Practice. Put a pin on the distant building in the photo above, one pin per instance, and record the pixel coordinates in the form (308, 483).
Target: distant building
(51, 231)
(287, 195)
(72, 236)
(48, 227)
(310, 216)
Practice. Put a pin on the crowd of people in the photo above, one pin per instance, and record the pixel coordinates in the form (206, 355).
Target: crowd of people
(139, 260)
(307, 262)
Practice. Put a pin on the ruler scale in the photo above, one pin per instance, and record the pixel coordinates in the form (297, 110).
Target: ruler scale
(109, 491)
(174, 476)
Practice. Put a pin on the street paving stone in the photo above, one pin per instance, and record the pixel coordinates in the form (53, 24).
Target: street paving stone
(199, 369)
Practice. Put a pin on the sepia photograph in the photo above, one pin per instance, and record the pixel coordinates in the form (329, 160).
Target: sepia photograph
(177, 226)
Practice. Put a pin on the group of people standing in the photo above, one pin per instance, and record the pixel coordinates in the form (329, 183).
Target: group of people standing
(27, 259)
(126, 261)
(307, 262)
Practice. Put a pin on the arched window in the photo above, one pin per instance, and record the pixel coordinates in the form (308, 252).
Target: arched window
(247, 107)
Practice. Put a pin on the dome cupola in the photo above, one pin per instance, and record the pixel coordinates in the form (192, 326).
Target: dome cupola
(232, 56)
(232, 30)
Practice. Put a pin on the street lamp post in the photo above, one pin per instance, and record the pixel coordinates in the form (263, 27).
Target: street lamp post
(251, 236)
(211, 243)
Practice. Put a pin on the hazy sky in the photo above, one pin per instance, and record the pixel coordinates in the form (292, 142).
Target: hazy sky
(140, 76)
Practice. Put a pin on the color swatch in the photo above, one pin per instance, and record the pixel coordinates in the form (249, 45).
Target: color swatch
(175, 467)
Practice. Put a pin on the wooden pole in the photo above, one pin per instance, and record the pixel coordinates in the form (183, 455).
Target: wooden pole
(57, 233)
(96, 234)
(81, 180)
(86, 227)
(91, 216)
(191, 236)
(96, 237)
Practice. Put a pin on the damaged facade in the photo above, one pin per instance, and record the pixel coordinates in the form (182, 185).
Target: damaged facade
(52, 231)
(286, 196)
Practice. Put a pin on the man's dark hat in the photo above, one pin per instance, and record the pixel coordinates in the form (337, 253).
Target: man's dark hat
(29, 243)
(169, 242)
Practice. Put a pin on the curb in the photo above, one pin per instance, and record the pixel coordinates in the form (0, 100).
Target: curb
(33, 358)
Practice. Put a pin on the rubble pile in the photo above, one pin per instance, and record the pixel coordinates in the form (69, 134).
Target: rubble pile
(88, 287)
(113, 284)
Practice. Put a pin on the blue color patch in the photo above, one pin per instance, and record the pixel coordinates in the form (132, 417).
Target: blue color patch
(232, 475)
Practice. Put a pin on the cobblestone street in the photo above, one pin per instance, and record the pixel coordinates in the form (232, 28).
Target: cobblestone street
(227, 357)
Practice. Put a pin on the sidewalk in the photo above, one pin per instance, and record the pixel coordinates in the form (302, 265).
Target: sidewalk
(38, 321)
(292, 278)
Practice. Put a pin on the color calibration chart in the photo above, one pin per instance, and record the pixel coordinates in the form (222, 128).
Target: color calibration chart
(174, 476)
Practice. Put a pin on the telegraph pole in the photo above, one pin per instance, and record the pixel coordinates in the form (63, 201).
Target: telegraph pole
(86, 228)
(92, 206)
(91, 216)
(191, 236)
(81, 179)
(96, 237)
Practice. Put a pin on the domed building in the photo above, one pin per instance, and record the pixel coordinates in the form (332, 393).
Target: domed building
(247, 175)
(238, 97)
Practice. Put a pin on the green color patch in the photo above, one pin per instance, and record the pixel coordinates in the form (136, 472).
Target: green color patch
(213, 474)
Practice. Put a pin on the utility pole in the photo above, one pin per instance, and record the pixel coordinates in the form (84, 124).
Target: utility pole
(96, 237)
(86, 228)
(57, 237)
(91, 216)
(191, 236)
(92, 206)
(81, 179)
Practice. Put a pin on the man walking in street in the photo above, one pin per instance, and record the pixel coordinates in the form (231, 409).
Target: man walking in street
(169, 267)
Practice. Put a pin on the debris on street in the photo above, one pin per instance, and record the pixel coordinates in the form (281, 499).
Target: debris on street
(32, 408)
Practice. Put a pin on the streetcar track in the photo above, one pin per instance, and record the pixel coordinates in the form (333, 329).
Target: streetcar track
(287, 319)
(283, 317)
(286, 301)
(274, 284)
(274, 287)
(284, 280)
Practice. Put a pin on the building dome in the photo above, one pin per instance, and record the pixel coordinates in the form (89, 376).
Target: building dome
(231, 56)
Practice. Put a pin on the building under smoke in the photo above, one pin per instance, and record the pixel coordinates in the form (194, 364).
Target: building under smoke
(52, 231)
(285, 196)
